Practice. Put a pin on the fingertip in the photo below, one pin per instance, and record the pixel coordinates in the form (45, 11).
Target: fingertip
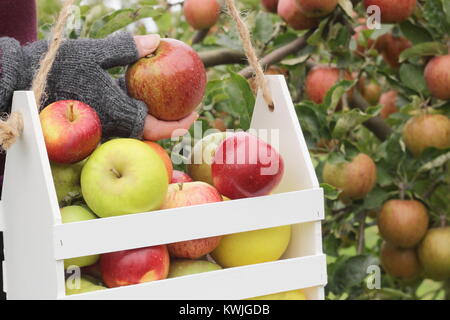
(147, 44)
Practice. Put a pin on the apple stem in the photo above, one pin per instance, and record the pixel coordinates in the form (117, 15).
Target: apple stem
(180, 185)
(71, 113)
(117, 173)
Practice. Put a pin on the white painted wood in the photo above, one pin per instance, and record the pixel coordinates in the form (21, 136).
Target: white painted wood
(173, 225)
(228, 284)
(2, 222)
(30, 212)
(36, 241)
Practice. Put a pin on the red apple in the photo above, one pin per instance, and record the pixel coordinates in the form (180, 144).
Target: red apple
(389, 102)
(245, 166)
(164, 156)
(72, 130)
(317, 8)
(289, 11)
(134, 266)
(391, 47)
(400, 263)
(190, 194)
(270, 5)
(201, 14)
(437, 76)
(180, 177)
(171, 82)
(393, 11)
(320, 80)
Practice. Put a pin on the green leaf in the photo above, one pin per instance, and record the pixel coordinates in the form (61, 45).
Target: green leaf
(335, 94)
(317, 37)
(331, 193)
(412, 77)
(437, 17)
(263, 29)
(415, 33)
(375, 199)
(424, 49)
(348, 121)
(436, 163)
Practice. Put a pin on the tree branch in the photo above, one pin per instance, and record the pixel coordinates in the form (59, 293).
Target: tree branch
(222, 56)
(200, 35)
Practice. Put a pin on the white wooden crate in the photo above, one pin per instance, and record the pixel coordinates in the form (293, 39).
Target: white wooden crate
(36, 242)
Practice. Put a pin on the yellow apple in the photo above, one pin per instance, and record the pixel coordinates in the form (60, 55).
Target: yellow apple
(252, 247)
(86, 284)
(288, 295)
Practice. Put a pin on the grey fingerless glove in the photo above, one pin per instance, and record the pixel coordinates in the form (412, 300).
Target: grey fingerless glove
(78, 73)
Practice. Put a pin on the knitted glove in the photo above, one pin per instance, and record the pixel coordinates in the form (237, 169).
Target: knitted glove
(78, 74)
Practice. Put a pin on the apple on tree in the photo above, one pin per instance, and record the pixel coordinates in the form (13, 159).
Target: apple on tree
(270, 5)
(171, 82)
(400, 263)
(134, 266)
(189, 194)
(393, 11)
(201, 14)
(434, 253)
(391, 47)
(316, 8)
(124, 176)
(321, 79)
(389, 102)
(290, 12)
(437, 77)
(72, 130)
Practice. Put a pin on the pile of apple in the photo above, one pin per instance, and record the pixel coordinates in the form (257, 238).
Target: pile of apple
(120, 176)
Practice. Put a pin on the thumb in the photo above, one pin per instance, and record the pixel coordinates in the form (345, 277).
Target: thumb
(147, 44)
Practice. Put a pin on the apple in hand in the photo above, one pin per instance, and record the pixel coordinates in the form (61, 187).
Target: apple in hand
(290, 12)
(67, 179)
(83, 285)
(201, 14)
(190, 194)
(123, 268)
(180, 177)
(124, 176)
(164, 156)
(245, 166)
(179, 268)
(76, 214)
(171, 82)
(72, 130)
(202, 156)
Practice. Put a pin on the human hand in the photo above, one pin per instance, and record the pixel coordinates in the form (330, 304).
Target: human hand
(155, 129)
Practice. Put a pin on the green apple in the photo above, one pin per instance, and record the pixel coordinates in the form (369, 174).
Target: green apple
(124, 176)
(202, 155)
(76, 214)
(67, 180)
(86, 284)
(179, 268)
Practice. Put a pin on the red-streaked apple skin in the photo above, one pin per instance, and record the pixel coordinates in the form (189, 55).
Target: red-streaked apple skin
(201, 14)
(437, 77)
(190, 194)
(391, 47)
(389, 102)
(316, 8)
(134, 266)
(72, 130)
(289, 12)
(180, 177)
(393, 11)
(171, 82)
(245, 166)
(270, 5)
(321, 79)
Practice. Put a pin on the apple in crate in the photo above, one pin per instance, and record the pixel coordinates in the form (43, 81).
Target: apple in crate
(190, 194)
(180, 177)
(76, 214)
(66, 178)
(171, 82)
(245, 166)
(134, 266)
(83, 285)
(179, 268)
(124, 176)
(72, 130)
(164, 156)
(288, 295)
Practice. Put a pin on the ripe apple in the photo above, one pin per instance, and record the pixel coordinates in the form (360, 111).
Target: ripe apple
(251, 247)
(434, 253)
(245, 166)
(270, 5)
(288, 295)
(179, 268)
(391, 47)
(85, 284)
(190, 194)
(67, 179)
(124, 176)
(127, 267)
(180, 177)
(171, 82)
(72, 130)
(437, 77)
(356, 178)
(403, 223)
(316, 8)
(320, 80)
(393, 11)
(389, 102)
(164, 156)
(371, 92)
(76, 214)
(201, 14)
(290, 12)
(425, 131)
(202, 156)
(400, 263)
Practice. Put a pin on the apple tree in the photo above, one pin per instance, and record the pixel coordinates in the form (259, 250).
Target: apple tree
(371, 88)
